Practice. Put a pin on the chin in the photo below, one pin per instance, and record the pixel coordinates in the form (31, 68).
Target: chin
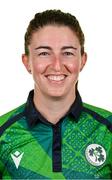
(56, 95)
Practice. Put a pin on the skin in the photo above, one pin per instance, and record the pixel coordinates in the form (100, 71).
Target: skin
(55, 62)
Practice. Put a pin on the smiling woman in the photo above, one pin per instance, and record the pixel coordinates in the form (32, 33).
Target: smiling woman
(55, 135)
(55, 61)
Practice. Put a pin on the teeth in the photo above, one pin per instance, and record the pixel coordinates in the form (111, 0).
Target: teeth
(56, 78)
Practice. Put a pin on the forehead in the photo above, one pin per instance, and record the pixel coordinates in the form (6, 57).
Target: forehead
(54, 34)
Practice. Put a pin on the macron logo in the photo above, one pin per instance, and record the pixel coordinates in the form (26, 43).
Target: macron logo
(17, 156)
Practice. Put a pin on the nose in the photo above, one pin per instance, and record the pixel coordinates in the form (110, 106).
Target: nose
(57, 64)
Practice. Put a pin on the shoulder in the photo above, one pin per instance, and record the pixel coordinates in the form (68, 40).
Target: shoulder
(103, 112)
(98, 113)
(13, 113)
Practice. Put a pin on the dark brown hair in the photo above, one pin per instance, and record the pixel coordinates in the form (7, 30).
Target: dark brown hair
(53, 17)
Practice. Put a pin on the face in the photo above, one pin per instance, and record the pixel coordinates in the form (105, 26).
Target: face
(55, 61)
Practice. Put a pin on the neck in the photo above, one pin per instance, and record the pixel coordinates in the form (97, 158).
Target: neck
(53, 108)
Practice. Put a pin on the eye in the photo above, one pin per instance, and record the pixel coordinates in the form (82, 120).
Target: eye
(67, 53)
(43, 54)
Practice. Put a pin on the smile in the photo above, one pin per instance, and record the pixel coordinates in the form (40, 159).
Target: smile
(56, 78)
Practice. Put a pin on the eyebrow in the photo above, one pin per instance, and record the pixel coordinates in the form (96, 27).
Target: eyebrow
(68, 47)
(49, 48)
(43, 47)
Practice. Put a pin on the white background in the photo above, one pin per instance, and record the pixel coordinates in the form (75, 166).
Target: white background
(95, 17)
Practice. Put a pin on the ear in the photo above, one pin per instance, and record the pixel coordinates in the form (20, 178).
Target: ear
(83, 60)
(25, 60)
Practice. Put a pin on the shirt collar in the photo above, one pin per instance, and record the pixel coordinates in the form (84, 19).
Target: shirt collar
(34, 116)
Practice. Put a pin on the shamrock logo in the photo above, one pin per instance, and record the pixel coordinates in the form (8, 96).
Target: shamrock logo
(95, 154)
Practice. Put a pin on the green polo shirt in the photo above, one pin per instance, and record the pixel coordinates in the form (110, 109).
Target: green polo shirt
(79, 146)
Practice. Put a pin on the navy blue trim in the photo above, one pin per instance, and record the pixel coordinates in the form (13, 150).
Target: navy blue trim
(76, 107)
(10, 122)
(0, 175)
(56, 148)
(34, 116)
(99, 118)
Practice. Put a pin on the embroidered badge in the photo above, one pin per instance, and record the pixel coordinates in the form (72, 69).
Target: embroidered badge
(95, 154)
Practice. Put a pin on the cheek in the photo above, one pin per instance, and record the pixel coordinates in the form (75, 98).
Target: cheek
(74, 67)
(38, 68)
